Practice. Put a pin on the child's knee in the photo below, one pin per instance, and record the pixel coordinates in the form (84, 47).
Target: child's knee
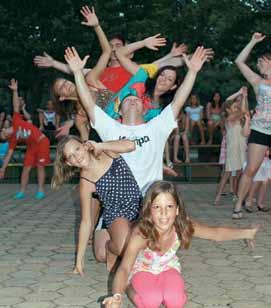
(174, 289)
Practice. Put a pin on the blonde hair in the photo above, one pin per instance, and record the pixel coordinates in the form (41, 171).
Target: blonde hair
(183, 224)
(62, 171)
(227, 105)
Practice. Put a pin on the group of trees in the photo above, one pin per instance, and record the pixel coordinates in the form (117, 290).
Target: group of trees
(30, 27)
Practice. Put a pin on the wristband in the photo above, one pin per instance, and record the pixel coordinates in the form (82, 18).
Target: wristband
(117, 295)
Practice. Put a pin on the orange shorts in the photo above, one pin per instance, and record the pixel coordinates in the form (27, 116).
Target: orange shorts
(38, 155)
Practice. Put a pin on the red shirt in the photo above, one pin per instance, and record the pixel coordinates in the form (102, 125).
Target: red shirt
(23, 131)
(114, 78)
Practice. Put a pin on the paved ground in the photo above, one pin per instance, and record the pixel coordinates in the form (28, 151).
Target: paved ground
(37, 254)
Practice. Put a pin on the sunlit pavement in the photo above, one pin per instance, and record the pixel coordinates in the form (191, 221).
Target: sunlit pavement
(38, 247)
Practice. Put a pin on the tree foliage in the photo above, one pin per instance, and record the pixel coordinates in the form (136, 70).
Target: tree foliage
(30, 27)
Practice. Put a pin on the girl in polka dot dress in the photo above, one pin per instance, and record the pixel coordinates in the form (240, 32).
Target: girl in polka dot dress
(104, 171)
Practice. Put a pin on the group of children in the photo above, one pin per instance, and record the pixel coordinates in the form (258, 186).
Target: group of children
(134, 122)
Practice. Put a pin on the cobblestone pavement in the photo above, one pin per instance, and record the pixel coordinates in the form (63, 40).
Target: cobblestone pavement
(37, 255)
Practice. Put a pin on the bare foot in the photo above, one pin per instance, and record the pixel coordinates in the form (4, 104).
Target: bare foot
(203, 142)
(177, 161)
(170, 171)
(217, 201)
(187, 161)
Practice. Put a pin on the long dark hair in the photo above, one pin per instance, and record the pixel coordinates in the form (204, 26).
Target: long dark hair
(212, 99)
(167, 97)
(183, 225)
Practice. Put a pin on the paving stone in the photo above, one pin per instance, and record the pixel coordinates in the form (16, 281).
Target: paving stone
(36, 304)
(38, 247)
(9, 301)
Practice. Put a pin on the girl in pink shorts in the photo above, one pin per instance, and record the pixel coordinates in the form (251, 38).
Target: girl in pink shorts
(150, 270)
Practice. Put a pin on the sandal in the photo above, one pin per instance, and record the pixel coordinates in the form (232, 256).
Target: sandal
(237, 214)
(263, 208)
(247, 206)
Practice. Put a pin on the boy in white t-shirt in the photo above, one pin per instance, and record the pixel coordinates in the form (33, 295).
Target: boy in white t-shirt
(146, 162)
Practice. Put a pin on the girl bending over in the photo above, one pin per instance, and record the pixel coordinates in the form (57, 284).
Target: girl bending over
(104, 171)
(150, 270)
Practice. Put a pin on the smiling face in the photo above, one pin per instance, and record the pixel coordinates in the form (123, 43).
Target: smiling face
(166, 81)
(164, 211)
(76, 154)
(132, 104)
(64, 88)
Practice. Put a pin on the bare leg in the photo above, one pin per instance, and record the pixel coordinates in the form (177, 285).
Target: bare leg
(101, 237)
(167, 155)
(186, 146)
(210, 131)
(261, 196)
(256, 153)
(176, 146)
(192, 125)
(94, 214)
(221, 187)
(252, 191)
(25, 177)
(41, 177)
(119, 232)
(201, 130)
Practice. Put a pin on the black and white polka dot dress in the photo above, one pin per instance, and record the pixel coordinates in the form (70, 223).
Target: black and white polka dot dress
(118, 192)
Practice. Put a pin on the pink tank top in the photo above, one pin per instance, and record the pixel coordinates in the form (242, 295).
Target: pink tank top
(261, 121)
(155, 262)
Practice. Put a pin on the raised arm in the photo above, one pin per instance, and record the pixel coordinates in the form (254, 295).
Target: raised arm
(115, 147)
(246, 128)
(76, 65)
(26, 114)
(194, 65)
(91, 20)
(152, 42)
(175, 56)
(85, 229)
(251, 76)
(223, 233)
(15, 97)
(47, 61)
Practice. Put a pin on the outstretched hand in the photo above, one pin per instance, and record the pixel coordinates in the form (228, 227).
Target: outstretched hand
(209, 52)
(13, 85)
(44, 61)
(94, 147)
(197, 60)
(112, 302)
(72, 58)
(153, 42)
(257, 37)
(251, 241)
(177, 51)
(91, 19)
